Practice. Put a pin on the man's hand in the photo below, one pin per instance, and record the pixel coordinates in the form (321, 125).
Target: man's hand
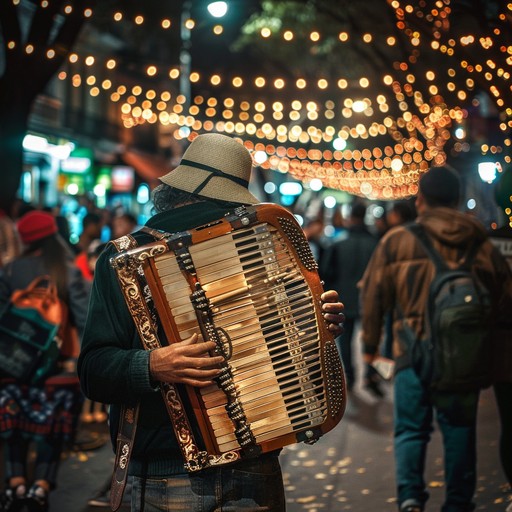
(368, 358)
(333, 311)
(185, 362)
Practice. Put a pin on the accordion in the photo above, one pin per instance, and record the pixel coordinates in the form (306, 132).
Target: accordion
(248, 282)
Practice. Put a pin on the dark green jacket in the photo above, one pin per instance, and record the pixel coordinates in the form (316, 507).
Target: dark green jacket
(114, 368)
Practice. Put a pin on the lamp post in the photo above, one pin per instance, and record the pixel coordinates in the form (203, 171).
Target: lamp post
(216, 9)
(185, 56)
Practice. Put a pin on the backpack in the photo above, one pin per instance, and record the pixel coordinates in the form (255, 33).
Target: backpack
(32, 324)
(456, 354)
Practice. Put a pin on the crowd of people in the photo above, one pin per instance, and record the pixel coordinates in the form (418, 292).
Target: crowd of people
(39, 418)
(380, 275)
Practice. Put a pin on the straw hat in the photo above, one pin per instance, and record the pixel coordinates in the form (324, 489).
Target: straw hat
(214, 166)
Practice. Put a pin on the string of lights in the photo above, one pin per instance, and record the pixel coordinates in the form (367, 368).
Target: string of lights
(420, 120)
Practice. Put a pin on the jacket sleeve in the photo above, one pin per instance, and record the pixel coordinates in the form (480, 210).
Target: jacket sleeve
(113, 367)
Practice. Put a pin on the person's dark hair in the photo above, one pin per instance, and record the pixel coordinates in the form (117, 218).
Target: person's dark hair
(440, 186)
(166, 197)
(91, 219)
(55, 255)
(358, 211)
(129, 217)
(99, 249)
(63, 227)
(405, 210)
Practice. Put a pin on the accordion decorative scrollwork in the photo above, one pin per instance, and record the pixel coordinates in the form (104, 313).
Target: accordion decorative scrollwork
(248, 282)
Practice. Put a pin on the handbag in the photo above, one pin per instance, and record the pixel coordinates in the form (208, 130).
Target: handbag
(29, 331)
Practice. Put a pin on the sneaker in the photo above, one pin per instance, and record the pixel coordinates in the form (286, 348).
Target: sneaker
(12, 499)
(509, 508)
(411, 505)
(37, 499)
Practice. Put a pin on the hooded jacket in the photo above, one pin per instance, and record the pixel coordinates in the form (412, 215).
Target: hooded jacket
(398, 276)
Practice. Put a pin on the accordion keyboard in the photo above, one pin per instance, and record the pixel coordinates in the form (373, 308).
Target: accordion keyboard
(260, 300)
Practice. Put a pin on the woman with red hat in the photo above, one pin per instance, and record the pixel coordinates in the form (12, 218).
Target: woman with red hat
(43, 413)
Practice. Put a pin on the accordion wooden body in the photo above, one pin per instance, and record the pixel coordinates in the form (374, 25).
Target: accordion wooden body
(249, 283)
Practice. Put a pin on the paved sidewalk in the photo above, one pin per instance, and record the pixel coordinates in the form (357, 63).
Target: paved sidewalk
(350, 468)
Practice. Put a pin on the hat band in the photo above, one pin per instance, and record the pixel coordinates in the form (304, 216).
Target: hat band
(214, 172)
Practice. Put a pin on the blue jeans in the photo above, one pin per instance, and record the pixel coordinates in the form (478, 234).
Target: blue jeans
(252, 485)
(456, 417)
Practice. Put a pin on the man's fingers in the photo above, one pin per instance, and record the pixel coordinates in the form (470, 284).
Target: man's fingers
(189, 341)
(329, 296)
(198, 377)
(334, 318)
(203, 362)
(197, 349)
(332, 307)
(198, 383)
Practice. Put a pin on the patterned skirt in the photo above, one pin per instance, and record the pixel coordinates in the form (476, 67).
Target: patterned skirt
(50, 410)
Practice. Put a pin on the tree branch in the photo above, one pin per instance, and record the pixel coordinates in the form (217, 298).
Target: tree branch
(62, 44)
(43, 23)
(11, 32)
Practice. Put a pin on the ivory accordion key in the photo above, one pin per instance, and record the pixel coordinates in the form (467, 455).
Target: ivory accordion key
(249, 283)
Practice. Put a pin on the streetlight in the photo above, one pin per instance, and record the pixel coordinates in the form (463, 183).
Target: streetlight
(218, 9)
(487, 171)
(185, 56)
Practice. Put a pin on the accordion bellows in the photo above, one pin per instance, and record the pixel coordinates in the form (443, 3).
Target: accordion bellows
(248, 282)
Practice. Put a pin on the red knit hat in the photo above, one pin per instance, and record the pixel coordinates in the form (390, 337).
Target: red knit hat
(36, 225)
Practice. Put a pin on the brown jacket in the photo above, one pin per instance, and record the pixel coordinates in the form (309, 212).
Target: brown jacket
(398, 276)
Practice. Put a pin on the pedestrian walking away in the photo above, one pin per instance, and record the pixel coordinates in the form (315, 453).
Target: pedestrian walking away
(397, 279)
(342, 268)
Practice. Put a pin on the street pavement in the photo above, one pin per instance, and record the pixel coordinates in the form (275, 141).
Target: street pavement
(350, 468)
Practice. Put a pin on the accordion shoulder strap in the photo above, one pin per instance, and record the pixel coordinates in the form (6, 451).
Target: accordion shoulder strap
(127, 423)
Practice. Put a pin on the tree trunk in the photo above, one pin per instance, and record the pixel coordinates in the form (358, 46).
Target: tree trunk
(14, 114)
